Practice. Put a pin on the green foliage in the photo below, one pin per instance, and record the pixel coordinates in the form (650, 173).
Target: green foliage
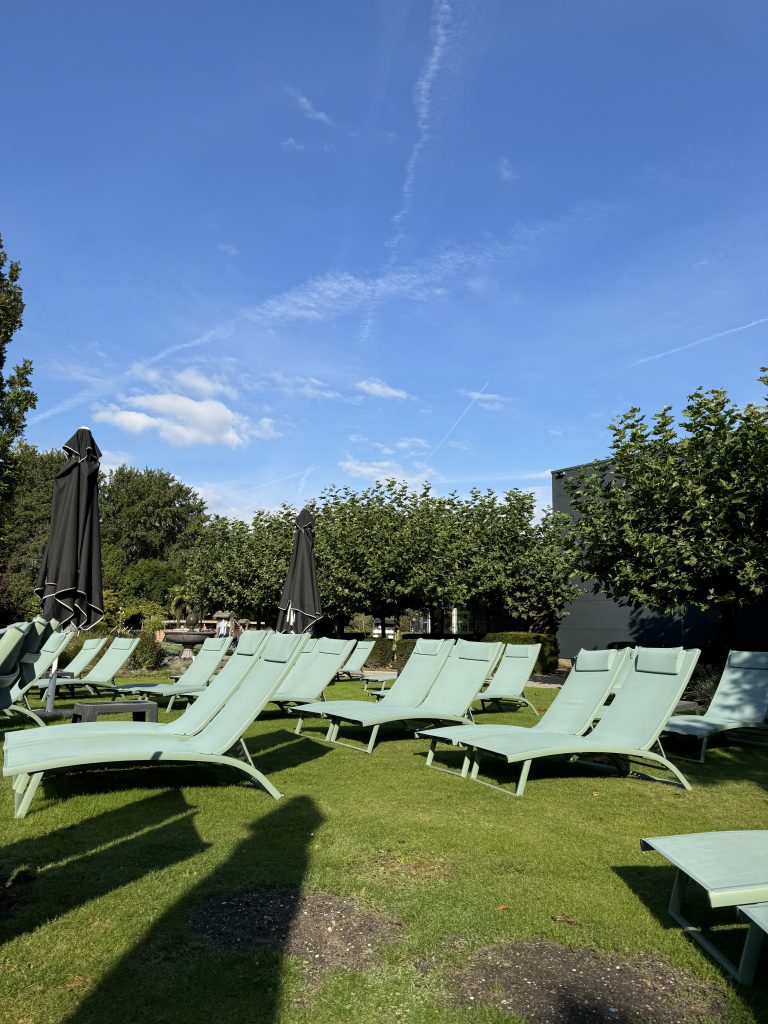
(403, 650)
(679, 514)
(382, 655)
(149, 651)
(16, 394)
(549, 654)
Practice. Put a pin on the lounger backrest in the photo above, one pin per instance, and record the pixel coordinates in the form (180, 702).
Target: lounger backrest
(110, 663)
(252, 641)
(649, 695)
(419, 672)
(11, 644)
(85, 655)
(206, 661)
(220, 688)
(742, 693)
(255, 690)
(35, 665)
(359, 656)
(462, 676)
(513, 672)
(39, 631)
(313, 671)
(584, 691)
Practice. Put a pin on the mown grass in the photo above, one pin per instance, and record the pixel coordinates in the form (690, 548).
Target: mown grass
(101, 933)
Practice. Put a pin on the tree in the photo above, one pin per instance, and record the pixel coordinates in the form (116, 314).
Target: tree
(16, 394)
(148, 513)
(678, 515)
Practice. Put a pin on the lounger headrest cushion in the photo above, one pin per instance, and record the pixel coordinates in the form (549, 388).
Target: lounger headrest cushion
(216, 643)
(280, 647)
(471, 650)
(54, 642)
(519, 650)
(327, 645)
(122, 643)
(430, 647)
(10, 642)
(664, 661)
(595, 661)
(249, 642)
(748, 659)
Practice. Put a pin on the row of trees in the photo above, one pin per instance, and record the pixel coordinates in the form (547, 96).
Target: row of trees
(388, 548)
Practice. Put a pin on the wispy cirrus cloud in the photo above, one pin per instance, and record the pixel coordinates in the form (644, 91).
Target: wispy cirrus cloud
(291, 386)
(380, 389)
(486, 399)
(291, 144)
(191, 379)
(183, 421)
(308, 109)
(385, 469)
(228, 249)
(506, 171)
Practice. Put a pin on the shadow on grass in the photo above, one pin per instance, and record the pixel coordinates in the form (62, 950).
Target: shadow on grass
(173, 976)
(94, 857)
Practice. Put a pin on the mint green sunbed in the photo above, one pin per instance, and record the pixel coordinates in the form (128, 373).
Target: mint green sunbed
(593, 676)
(627, 731)
(196, 677)
(213, 744)
(740, 701)
(732, 869)
(69, 676)
(353, 666)
(313, 671)
(110, 663)
(32, 667)
(448, 699)
(509, 679)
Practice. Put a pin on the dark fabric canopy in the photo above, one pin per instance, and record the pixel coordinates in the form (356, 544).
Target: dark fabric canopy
(299, 606)
(69, 584)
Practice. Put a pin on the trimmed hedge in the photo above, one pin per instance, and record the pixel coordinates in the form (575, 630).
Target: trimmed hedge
(382, 655)
(548, 655)
(403, 650)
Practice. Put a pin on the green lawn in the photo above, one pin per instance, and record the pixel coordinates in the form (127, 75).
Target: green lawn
(100, 931)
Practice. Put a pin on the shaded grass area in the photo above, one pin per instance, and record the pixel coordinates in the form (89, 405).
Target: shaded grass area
(100, 928)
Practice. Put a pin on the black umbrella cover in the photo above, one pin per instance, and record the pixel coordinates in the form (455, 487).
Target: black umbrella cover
(69, 584)
(299, 606)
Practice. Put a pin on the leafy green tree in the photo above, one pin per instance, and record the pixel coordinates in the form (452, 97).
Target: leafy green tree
(678, 515)
(149, 514)
(16, 394)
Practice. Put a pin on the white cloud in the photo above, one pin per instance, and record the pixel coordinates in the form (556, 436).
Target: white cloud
(307, 108)
(412, 444)
(183, 421)
(291, 144)
(111, 461)
(227, 249)
(191, 379)
(486, 399)
(302, 387)
(379, 389)
(506, 170)
(384, 469)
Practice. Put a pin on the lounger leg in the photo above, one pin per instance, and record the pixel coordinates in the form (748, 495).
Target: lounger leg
(520, 788)
(750, 955)
(465, 765)
(299, 724)
(24, 798)
(170, 704)
(475, 757)
(703, 751)
(20, 782)
(28, 712)
(677, 896)
(372, 740)
(431, 752)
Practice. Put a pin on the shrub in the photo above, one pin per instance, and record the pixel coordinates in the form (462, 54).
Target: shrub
(149, 651)
(703, 683)
(382, 655)
(403, 650)
(548, 655)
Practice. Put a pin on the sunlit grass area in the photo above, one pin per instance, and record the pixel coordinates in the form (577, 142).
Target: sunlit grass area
(110, 870)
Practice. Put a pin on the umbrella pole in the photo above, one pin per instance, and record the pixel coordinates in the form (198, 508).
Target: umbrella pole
(51, 695)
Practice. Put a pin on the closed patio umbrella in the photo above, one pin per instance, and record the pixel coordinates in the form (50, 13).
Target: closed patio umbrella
(69, 583)
(299, 607)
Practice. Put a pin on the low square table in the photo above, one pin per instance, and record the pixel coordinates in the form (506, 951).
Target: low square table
(141, 710)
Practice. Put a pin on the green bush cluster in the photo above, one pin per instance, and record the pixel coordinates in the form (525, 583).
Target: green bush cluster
(382, 655)
(548, 655)
(403, 650)
(149, 651)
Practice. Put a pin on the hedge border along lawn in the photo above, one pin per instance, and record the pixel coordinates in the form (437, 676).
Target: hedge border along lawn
(110, 866)
(547, 661)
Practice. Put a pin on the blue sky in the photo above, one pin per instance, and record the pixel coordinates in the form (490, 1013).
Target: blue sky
(270, 247)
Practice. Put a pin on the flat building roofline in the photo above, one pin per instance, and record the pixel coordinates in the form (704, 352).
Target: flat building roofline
(580, 465)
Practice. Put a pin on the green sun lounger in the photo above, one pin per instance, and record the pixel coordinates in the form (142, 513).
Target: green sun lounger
(448, 699)
(69, 676)
(509, 679)
(22, 640)
(732, 869)
(627, 731)
(110, 663)
(213, 744)
(32, 667)
(353, 666)
(196, 677)
(312, 672)
(572, 712)
(740, 701)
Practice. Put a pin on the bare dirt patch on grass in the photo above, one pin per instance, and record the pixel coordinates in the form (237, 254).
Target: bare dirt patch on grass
(321, 930)
(546, 983)
(392, 866)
